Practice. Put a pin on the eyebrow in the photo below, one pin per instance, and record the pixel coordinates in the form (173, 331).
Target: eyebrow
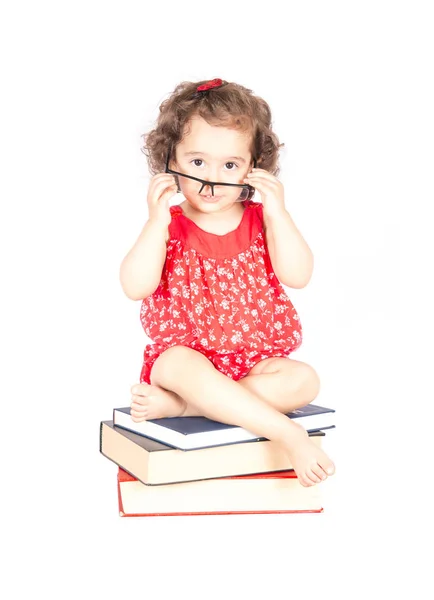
(193, 153)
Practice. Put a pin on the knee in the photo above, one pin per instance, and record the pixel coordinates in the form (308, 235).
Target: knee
(304, 379)
(169, 366)
(311, 382)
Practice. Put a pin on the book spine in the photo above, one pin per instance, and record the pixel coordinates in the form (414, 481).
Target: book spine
(121, 507)
(196, 514)
(100, 436)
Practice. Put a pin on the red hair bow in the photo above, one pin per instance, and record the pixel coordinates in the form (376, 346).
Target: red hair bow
(210, 84)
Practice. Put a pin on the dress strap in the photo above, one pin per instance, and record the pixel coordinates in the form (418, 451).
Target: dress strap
(175, 210)
(257, 206)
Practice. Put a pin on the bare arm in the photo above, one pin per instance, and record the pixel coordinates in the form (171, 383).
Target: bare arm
(291, 257)
(141, 269)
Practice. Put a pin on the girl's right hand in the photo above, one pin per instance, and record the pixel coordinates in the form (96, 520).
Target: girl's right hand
(161, 188)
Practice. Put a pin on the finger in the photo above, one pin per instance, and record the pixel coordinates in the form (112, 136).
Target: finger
(262, 172)
(161, 197)
(172, 190)
(263, 186)
(161, 183)
(259, 170)
(260, 185)
(263, 177)
(165, 188)
(161, 177)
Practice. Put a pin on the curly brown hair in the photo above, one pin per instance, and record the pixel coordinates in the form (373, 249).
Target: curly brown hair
(230, 105)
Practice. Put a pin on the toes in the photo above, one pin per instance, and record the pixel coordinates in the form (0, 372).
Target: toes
(141, 400)
(138, 418)
(139, 407)
(319, 472)
(138, 414)
(305, 480)
(139, 388)
(141, 403)
(313, 476)
(328, 467)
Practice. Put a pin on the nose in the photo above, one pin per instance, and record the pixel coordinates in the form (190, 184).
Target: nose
(215, 175)
(211, 175)
(207, 189)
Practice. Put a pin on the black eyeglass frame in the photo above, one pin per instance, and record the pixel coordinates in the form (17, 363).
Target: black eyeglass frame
(211, 183)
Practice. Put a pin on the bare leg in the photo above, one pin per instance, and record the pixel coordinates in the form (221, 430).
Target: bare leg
(191, 375)
(284, 383)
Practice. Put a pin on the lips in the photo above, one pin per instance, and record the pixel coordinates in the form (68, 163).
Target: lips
(212, 198)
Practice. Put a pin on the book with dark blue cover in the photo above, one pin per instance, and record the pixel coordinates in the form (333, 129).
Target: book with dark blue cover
(190, 433)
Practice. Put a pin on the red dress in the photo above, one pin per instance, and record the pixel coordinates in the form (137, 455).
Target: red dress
(219, 295)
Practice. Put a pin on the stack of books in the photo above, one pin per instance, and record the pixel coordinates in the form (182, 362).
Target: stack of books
(197, 466)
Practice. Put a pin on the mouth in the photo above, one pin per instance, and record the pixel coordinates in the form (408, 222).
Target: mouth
(210, 198)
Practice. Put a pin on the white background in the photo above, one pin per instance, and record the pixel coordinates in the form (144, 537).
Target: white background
(350, 87)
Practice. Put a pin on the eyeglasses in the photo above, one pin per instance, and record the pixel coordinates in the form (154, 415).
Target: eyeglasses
(247, 191)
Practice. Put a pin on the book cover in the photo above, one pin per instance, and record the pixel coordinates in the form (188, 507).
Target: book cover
(249, 494)
(192, 433)
(154, 463)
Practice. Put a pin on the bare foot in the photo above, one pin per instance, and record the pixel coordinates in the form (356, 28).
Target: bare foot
(153, 402)
(311, 464)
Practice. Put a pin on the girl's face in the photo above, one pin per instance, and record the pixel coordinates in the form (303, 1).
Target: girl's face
(215, 154)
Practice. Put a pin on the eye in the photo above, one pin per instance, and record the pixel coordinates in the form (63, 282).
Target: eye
(198, 162)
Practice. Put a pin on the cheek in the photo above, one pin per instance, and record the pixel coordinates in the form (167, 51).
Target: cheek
(189, 186)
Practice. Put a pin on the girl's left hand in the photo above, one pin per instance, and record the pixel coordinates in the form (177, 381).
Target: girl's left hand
(270, 188)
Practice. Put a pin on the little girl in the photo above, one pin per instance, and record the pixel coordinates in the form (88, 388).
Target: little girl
(209, 273)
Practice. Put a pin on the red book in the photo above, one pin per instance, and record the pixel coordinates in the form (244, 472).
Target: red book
(264, 493)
